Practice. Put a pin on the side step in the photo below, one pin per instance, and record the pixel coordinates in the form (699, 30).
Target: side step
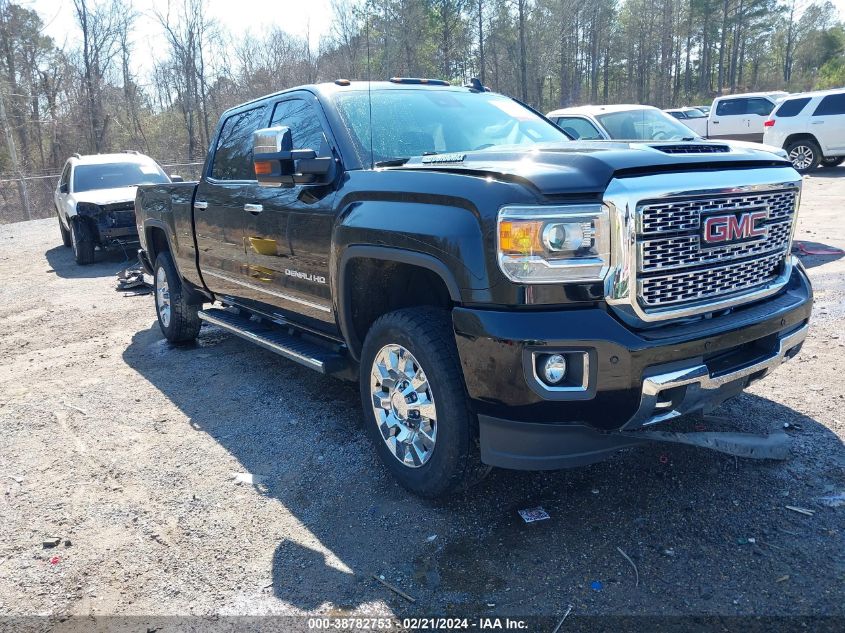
(277, 340)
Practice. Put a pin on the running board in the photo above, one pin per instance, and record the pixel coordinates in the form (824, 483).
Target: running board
(276, 340)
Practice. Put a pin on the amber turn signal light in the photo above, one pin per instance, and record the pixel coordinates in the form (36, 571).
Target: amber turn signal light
(263, 168)
(520, 236)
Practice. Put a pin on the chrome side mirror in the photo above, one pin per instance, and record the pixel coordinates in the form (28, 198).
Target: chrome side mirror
(278, 164)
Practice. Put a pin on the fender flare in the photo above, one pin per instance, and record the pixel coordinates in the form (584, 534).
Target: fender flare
(150, 224)
(384, 253)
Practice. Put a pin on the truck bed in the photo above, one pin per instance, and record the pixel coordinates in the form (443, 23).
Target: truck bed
(167, 208)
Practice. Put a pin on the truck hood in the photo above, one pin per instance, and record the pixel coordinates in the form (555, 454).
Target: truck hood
(107, 196)
(742, 145)
(588, 166)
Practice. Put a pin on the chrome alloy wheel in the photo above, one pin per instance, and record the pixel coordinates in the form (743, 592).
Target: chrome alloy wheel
(801, 156)
(163, 297)
(403, 405)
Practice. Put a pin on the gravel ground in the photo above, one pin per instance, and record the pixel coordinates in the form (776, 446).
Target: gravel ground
(126, 450)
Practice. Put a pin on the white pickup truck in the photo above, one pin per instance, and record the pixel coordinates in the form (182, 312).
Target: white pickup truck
(738, 117)
(741, 117)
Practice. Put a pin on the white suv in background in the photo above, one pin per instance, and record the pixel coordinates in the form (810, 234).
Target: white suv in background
(810, 126)
(95, 199)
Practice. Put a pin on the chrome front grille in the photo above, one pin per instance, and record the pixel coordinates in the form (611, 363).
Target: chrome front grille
(683, 215)
(697, 285)
(675, 267)
(661, 268)
(684, 251)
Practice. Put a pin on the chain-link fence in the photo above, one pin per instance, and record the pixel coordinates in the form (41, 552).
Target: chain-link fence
(30, 197)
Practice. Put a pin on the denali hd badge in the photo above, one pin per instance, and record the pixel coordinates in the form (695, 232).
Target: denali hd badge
(718, 230)
(317, 279)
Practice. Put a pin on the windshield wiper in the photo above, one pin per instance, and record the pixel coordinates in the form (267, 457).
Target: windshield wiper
(393, 162)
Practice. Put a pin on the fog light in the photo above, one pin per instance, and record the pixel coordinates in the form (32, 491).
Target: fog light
(554, 369)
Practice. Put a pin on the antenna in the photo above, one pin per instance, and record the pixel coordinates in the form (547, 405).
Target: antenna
(369, 84)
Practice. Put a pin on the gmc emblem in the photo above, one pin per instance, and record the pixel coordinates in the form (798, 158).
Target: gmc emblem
(720, 229)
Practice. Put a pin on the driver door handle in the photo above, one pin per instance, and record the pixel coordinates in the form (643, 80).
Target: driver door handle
(200, 204)
(254, 208)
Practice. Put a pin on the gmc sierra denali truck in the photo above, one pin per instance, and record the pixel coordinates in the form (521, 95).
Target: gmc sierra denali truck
(505, 296)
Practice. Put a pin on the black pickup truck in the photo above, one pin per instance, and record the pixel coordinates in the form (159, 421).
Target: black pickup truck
(505, 296)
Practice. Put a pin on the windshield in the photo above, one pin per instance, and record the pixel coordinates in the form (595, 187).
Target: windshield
(113, 175)
(644, 125)
(409, 123)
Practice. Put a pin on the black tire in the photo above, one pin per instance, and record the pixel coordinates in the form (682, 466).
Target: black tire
(182, 324)
(454, 461)
(65, 232)
(804, 154)
(82, 241)
(833, 161)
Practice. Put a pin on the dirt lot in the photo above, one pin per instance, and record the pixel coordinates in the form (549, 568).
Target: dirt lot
(126, 449)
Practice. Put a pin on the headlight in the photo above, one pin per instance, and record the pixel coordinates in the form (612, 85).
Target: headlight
(540, 244)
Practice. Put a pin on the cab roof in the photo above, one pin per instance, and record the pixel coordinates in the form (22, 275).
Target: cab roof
(330, 88)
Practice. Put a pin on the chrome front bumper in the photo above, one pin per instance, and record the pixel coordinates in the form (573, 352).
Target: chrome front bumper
(670, 394)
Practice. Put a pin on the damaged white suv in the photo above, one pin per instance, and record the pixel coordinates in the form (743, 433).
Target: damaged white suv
(95, 200)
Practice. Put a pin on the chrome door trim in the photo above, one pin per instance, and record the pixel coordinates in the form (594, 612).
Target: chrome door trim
(280, 295)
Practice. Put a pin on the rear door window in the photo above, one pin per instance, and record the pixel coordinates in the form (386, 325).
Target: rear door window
(792, 107)
(831, 104)
(233, 153)
(756, 105)
(732, 107)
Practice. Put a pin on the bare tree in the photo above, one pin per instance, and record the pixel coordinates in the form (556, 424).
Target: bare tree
(190, 35)
(100, 25)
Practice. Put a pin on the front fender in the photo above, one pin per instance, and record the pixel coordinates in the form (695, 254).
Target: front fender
(449, 235)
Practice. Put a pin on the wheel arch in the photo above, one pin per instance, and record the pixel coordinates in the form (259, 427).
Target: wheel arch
(801, 136)
(158, 237)
(157, 240)
(390, 272)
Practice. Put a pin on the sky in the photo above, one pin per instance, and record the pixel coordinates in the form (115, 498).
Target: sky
(297, 17)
